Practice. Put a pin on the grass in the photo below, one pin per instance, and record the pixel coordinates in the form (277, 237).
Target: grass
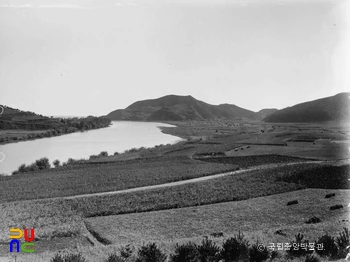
(63, 217)
(83, 179)
(254, 202)
(257, 218)
(249, 161)
(54, 218)
(230, 188)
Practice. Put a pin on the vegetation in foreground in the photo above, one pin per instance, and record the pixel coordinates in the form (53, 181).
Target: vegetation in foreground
(58, 217)
(230, 188)
(67, 181)
(236, 248)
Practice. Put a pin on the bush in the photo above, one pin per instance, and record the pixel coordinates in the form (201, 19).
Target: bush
(335, 207)
(208, 251)
(312, 258)
(313, 220)
(126, 251)
(258, 252)
(343, 241)
(185, 253)
(113, 257)
(330, 248)
(293, 252)
(330, 195)
(32, 167)
(43, 163)
(56, 163)
(294, 202)
(103, 154)
(93, 157)
(217, 234)
(150, 253)
(235, 248)
(22, 168)
(68, 258)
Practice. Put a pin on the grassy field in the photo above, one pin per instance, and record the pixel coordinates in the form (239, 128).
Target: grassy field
(258, 218)
(230, 188)
(61, 217)
(64, 217)
(319, 150)
(253, 201)
(255, 217)
(83, 179)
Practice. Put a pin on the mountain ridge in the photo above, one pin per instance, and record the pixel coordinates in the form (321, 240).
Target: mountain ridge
(182, 108)
(178, 108)
(332, 108)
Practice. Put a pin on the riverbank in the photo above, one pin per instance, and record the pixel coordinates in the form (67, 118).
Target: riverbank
(8, 136)
(119, 137)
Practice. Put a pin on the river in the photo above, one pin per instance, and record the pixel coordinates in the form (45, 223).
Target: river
(118, 137)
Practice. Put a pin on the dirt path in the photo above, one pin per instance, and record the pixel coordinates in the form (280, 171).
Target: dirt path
(188, 181)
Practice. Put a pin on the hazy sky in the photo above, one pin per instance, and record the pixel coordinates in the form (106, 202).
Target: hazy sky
(80, 57)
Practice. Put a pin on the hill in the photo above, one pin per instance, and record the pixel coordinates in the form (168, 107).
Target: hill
(177, 108)
(265, 112)
(37, 126)
(333, 108)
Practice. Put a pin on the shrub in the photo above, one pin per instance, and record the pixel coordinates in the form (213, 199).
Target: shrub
(103, 154)
(294, 202)
(56, 163)
(57, 258)
(150, 253)
(297, 252)
(68, 258)
(258, 252)
(32, 167)
(330, 195)
(93, 157)
(312, 258)
(43, 163)
(126, 251)
(335, 207)
(208, 251)
(217, 234)
(113, 257)
(22, 168)
(235, 248)
(280, 232)
(343, 241)
(132, 150)
(313, 220)
(330, 248)
(185, 253)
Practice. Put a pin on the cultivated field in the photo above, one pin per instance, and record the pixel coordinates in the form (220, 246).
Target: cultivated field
(276, 164)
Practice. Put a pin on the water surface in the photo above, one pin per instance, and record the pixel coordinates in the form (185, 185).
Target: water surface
(120, 136)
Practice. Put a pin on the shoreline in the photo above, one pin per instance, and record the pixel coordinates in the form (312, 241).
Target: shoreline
(39, 134)
(97, 155)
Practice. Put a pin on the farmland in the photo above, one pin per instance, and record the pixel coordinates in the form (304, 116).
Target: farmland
(68, 181)
(269, 169)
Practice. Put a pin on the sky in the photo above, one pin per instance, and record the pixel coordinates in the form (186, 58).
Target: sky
(89, 57)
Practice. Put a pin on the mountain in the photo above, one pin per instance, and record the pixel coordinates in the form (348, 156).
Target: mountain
(265, 112)
(176, 108)
(333, 108)
(12, 118)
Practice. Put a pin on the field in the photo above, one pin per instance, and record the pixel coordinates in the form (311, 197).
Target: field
(68, 181)
(255, 217)
(271, 165)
